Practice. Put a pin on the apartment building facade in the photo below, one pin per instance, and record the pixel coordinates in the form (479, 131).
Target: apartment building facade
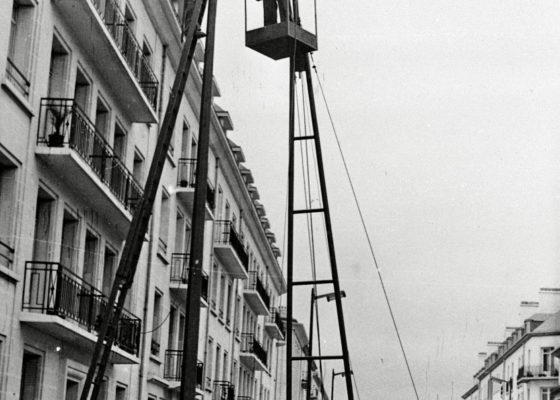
(84, 84)
(523, 366)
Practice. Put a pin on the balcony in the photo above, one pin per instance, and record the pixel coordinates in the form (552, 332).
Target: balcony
(223, 390)
(186, 181)
(172, 367)
(61, 304)
(115, 52)
(536, 372)
(274, 326)
(256, 295)
(69, 145)
(252, 353)
(179, 276)
(229, 249)
(244, 398)
(6, 255)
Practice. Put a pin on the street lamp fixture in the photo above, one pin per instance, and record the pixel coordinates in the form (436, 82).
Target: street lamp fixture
(314, 297)
(332, 380)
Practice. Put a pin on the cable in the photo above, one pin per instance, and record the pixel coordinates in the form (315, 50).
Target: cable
(385, 294)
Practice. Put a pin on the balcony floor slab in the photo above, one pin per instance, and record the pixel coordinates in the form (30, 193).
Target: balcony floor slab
(231, 262)
(253, 298)
(252, 361)
(186, 195)
(273, 331)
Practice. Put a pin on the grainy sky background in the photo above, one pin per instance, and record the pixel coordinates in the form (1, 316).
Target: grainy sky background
(449, 116)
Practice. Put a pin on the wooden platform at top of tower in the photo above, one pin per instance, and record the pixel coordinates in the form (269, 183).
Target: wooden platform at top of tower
(280, 33)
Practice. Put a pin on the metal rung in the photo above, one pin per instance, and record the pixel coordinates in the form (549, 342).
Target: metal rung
(310, 210)
(304, 137)
(312, 358)
(319, 282)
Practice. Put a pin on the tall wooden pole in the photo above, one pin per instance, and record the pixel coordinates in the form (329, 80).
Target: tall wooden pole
(192, 322)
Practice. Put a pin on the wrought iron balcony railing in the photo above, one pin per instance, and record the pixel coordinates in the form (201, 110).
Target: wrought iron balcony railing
(274, 318)
(64, 124)
(186, 178)
(250, 344)
(15, 76)
(225, 233)
(124, 38)
(173, 364)
(50, 288)
(6, 255)
(223, 390)
(256, 284)
(180, 272)
(537, 371)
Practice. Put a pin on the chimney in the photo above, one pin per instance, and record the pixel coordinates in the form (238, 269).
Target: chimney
(527, 308)
(549, 300)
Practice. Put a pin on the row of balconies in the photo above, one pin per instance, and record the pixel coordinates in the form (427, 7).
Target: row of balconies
(530, 372)
(117, 54)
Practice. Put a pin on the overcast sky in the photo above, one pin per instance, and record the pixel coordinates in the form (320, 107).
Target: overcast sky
(449, 116)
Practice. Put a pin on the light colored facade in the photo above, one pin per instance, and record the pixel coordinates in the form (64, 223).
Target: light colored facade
(523, 366)
(84, 84)
(299, 368)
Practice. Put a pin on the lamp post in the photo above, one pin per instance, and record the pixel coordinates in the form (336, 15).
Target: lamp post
(314, 298)
(332, 381)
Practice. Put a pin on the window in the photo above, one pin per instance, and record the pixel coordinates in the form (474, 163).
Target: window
(156, 321)
(109, 270)
(214, 293)
(120, 392)
(138, 167)
(217, 365)
(72, 389)
(91, 255)
(224, 366)
(119, 142)
(185, 141)
(43, 226)
(82, 90)
(58, 68)
(222, 296)
(31, 371)
(209, 360)
(69, 242)
(102, 117)
(163, 222)
(545, 394)
(20, 45)
(171, 331)
(179, 232)
(547, 359)
(228, 303)
(8, 172)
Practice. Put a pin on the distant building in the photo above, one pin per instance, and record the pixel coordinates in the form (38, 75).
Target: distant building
(524, 366)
